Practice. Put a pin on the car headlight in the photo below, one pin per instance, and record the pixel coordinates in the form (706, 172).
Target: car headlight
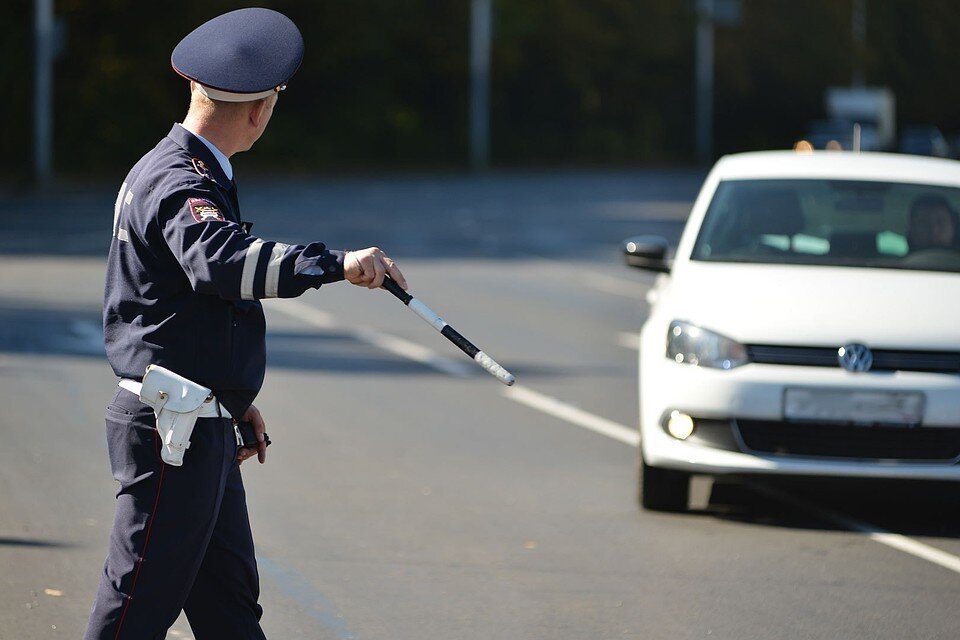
(690, 344)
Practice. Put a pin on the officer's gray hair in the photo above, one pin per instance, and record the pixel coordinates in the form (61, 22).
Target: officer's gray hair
(204, 106)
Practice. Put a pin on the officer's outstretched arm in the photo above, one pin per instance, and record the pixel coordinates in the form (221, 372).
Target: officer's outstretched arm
(220, 258)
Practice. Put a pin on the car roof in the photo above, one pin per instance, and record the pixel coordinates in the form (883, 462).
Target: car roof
(838, 165)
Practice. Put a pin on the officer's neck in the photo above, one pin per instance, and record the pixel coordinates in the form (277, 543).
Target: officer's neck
(225, 136)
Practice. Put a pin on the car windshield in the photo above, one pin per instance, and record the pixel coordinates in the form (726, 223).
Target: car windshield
(833, 222)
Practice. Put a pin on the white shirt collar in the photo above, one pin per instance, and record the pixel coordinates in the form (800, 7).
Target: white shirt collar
(222, 159)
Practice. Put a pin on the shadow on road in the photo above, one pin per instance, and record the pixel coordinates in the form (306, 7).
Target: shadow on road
(26, 328)
(342, 352)
(29, 542)
(913, 508)
(493, 216)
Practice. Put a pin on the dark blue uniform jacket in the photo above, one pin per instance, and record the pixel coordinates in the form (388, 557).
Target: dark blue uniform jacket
(184, 276)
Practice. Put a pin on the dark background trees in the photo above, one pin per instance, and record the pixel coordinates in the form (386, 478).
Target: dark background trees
(384, 82)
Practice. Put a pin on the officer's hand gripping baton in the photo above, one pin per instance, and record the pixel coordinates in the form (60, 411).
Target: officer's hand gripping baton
(449, 332)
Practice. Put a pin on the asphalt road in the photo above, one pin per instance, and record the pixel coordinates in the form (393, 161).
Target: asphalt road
(408, 495)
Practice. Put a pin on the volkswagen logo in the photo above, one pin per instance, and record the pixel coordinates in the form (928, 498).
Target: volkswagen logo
(855, 357)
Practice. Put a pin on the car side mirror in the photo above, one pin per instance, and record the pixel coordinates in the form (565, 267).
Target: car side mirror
(647, 252)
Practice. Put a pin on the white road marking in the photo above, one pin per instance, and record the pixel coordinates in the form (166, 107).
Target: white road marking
(893, 540)
(391, 344)
(611, 284)
(573, 415)
(596, 279)
(412, 351)
(629, 340)
(623, 434)
(609, 428)
(914, 548)
(305, 313)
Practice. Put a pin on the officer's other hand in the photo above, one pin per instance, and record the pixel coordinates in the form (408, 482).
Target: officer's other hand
(253, 416)
(367, 268)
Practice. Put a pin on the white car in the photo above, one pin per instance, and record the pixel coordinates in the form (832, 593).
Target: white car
(808, 324)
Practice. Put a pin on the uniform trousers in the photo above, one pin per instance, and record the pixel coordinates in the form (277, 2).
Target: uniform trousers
(181, 536)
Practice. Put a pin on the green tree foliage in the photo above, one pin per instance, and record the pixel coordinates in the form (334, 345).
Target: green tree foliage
(772, 69)
(384, 82)
(592, 81)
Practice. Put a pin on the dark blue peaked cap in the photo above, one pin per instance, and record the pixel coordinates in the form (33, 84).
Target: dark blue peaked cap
(241, 56)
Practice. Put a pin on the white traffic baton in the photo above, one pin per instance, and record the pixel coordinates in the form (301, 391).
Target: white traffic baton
(451, 334)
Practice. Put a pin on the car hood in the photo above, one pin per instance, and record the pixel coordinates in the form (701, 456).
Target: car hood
(817, 306)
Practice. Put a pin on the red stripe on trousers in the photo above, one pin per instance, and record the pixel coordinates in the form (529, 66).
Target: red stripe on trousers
(146, 540)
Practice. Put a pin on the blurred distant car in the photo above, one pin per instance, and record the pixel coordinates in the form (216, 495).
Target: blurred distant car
(924, 140)
(833, 134)
(808, 324)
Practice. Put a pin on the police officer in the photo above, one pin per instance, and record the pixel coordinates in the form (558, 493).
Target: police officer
(183, 285)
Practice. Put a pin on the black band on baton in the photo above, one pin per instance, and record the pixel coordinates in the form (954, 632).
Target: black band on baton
(465, 345)
(391, 285)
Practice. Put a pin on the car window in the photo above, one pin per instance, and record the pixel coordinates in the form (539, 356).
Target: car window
(833, 222)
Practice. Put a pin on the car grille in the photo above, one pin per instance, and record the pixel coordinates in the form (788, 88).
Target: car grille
(940, 444)
(883, 359)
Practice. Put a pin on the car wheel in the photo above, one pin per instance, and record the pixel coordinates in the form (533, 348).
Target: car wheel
(662, 489)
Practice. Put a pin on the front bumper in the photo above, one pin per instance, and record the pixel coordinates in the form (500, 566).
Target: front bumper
(753, 394)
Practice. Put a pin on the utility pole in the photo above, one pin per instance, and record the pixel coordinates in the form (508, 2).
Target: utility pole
(43, 91)
(858, 23)
(710, 14)
(481, 32)
(703, 79)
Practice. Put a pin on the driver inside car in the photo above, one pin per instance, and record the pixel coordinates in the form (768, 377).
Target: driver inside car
(933, 224)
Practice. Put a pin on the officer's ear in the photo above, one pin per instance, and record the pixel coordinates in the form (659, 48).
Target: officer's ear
(259, 112)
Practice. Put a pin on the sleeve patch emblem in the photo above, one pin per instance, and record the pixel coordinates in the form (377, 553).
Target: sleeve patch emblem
(204, 211)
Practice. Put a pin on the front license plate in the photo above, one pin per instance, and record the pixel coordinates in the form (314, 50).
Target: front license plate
(860, 407)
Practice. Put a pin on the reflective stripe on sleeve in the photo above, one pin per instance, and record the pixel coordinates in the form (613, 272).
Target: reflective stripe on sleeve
(272, 284)
(250, 269)
(116, 207)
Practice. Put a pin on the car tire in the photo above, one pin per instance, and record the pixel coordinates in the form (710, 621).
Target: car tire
(662, 489)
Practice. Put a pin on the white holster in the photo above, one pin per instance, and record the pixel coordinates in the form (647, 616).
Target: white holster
(177, 403)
